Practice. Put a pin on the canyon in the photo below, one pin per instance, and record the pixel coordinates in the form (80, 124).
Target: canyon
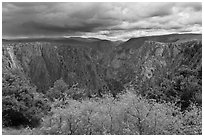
(101, 65)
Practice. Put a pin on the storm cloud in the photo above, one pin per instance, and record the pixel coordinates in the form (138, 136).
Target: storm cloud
(103, 20)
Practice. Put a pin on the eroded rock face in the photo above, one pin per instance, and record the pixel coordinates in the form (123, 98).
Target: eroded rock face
(154, 60)
(156, 57)
(97, 65)
(156, 69)
(45, 62)
(9, 60)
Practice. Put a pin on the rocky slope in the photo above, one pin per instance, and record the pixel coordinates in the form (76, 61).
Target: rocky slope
(43, 62)
(100, 64)
(135, 43)
(127, 55)
(156, 64)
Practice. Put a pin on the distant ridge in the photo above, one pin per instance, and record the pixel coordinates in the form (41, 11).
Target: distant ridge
(139, 41)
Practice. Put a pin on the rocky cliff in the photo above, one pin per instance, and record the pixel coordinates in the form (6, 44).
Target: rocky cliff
(45, 62)
(162, 67)
(99, 64)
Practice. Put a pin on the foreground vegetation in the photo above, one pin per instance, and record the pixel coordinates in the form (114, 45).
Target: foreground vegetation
(65, 110)
(129, 114)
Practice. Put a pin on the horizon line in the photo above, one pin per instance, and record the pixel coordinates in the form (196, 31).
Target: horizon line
(89, 37)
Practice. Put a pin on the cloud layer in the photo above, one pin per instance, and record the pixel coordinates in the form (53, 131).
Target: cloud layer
(103, 20)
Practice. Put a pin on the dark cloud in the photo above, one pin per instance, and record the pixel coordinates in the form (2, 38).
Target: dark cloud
(102, 20)
(197, 6)
(83, 27)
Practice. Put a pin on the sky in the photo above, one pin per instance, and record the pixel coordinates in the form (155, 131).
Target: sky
(112, 21)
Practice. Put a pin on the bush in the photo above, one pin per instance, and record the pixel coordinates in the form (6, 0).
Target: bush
(21, 105)
(61, 91)
(58, 90)
(182, 87)
(128, 115)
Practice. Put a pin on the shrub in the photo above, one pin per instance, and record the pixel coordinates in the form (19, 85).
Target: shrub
(20, 104)
(129, 114)
(62, 91)
(57, 90)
